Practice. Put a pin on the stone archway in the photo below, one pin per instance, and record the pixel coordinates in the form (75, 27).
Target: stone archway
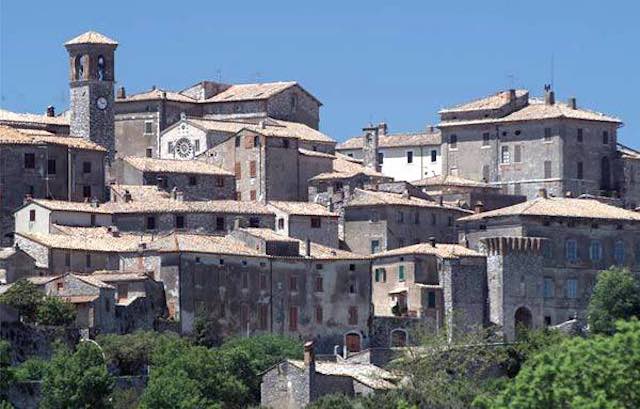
(523, 320)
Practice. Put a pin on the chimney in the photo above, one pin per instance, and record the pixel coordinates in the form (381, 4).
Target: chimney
(307, 247)
(382, 128)
(549, 96)
(121, 93)
(142, 247)
(153, 88)
(479, 207)
(174, 193)
(542, 193)
(309, 355)
(113, 231)
(512, 95)
(406, 194)
(180, 196)
(572, 103)
(127, 196)
(164, 95)
(262, 124)
(441, 200)
(51, 111)
(94, 202)
(27, 198)
(432, 241)
(568, 194)
(431, 128)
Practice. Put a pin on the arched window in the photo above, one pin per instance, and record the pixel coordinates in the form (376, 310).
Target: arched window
(102, 68)
(523, 320)
(79, 67)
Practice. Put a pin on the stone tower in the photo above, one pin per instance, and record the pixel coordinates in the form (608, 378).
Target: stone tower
(91, 79)
(370, 148)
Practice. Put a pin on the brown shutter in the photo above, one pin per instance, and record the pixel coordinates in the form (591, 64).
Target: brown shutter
(238, 170)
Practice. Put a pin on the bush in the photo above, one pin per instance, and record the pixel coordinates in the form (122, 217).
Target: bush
(24, 297)
(55, 311)
(33, 369)
(616, 296)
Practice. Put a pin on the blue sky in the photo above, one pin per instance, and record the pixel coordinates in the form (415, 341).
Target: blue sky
(367, 61)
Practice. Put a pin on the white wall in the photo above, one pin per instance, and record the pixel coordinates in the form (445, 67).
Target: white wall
(395, 162)
(179, 131)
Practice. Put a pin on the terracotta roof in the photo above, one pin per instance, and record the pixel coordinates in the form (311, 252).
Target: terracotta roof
(267, 234)
(155, 94)
(346, 167)
(396, 140)
(108, 244)
(450, 180)
(80, 299)
(285, 129)
(537, 110)
(6, 252)
(248, 92)
(220, 125)
(175, 166)
(440, 250)
(321, 252)
(200, 243)
(307, 152)
(107, 276)
(377, 198)
(138, 192)
(25, 118)
(491, 102)
(63, 205)
(92, 280)
(91, 37)
(628, 153)
(13, 136)
(302, 208)
(367, 374)
(560, 207)
(42, 280)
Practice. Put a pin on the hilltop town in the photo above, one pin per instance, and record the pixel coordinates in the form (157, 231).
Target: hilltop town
(222, 208)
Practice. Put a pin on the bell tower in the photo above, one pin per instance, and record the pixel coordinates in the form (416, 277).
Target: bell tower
(91, 81)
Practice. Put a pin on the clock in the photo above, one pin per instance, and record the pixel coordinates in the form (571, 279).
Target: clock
(102, 103)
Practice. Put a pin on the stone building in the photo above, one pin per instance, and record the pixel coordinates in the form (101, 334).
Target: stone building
(142, 118)
(51, 122)
(467, 193)
(425, 286)
(520, 143)
(15, 264)
(274, 161)
(267, 283)
(193, 180)
(630, 169)
(543, 256)
(376, 221)
(401, 156)
(293, 384)
(39, 164)
(303, 220)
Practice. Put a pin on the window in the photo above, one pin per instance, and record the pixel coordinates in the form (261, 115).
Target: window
(237, 141)
(219, 223)
(238, 170)
(547, 287)
(319, 266)
(409, 156)
(221, 262)
(67, 259)
(179, 221)
(252, 168)
(293, 318)
(485, 139)
(547, 169)
(256, 141)
(431, 299)
(375, 246)
(219, 181)
(32, 215)
(263, 313)
(380, 158)
(244, 316)
(87, 260)
(170, 147)
(281, 223)
(505, 155)
(263, 281)
(196, 145)
(254, 221)
(605, 137)
(352, 267)
(79, 67)
(293, 283)
(352, 286)
(102, 68)
(149, 152)
(618, 252)
(517, 189)
(193, 180)
(572, 288)
(547, 320)
(123, 291)
(453, 141)
(51, 167)
(318, 314)
(401, 276)
(285, 143)
(400, 216)
(449, 221)
(86, 167)
(517, 153)
(29, 160)
(380, 275)
(148, 127)
(319, 284)
(375, 217)
(245, 280)
(571, 250)
(595, 250)
(485, 173)
(316, 222)
(353, 315)
(579, 136)
(86, 191)
(580, 172)
(252, 195)
(547, 134)
(434, 155)
(151, 222)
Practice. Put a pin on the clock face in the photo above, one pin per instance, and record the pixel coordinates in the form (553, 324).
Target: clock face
(101, 103)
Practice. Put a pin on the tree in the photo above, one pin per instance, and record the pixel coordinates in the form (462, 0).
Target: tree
(598, 372)
(616, 296)
(24, 297)
(131, 353)
(33, 369)
(77, 380)
(55, 311)
(6, 374)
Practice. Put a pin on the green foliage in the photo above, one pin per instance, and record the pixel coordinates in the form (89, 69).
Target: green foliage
(77, 380)
(24, 297)
(336, 401)
(54, 311)
(206, 332)
(6, 374)
(530, 343)
(598, 372)
(33, 369)
(616, 296)
(125, 399)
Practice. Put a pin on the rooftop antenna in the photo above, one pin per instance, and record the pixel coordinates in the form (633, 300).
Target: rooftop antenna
(512, 80)
(219, 75)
